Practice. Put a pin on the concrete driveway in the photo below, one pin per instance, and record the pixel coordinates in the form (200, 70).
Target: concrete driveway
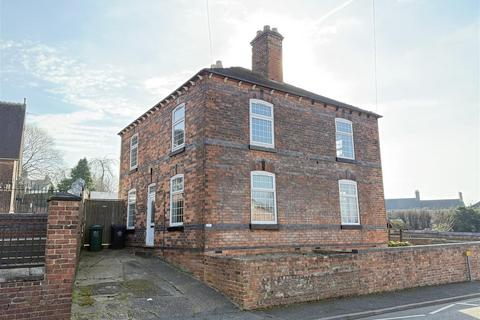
(115, 284)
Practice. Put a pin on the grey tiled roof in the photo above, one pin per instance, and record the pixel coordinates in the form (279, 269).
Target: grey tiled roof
(414, 203)
(12, 118)
(247, 75)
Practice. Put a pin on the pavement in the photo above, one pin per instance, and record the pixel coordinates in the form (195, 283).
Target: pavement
(116, 284)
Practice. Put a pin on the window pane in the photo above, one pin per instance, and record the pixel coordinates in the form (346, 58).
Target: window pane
(344, 145)
(131, 214)
(261, 109)
(179, 114)
(263, 206)
(261, 181)
(344, 126)
(177, 184)
(132, 196)
(348, 203)
(179, 134)
(134, 140)
(177, 208)
(348, 189)
(262, 130)
(133, 157)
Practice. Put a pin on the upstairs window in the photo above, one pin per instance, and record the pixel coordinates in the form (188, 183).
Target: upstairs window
(349, 202)
(177, 202)
(261, 124)
(178, 127)
(134, 152)
(344, 137)
(131, 208)
(263, 198)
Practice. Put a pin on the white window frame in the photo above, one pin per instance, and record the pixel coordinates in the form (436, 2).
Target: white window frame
(174, 123)
(354, 183)
(263, 173)
(257, 116)
(346, 133)
(136, 151)
(174, 224)
(128, 208)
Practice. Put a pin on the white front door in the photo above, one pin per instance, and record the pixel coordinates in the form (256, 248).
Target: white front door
(150, 223)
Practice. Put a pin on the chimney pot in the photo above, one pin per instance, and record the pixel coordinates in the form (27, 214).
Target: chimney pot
(460, 196)
(267, 54)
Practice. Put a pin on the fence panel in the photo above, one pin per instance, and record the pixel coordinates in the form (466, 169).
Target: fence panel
(22, 240)
(105, 213)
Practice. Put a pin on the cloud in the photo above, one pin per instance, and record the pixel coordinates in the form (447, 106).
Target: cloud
(164, 85)
(72, 81)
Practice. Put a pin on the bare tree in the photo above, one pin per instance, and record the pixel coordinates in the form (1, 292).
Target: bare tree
(104, 178)
(40, 157)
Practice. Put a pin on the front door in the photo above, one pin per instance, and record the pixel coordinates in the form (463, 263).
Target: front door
(150, 223)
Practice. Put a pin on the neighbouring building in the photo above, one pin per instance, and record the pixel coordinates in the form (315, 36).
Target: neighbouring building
(12, 120)
(238, 161)
(412, 204)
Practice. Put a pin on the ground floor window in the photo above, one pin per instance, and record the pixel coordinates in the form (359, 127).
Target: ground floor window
(263, 198)
(177, 202)
(131, 208)
(349, 202)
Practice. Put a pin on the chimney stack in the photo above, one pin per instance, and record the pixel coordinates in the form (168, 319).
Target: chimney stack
(267, 54)
(460, 196)
(417, 195)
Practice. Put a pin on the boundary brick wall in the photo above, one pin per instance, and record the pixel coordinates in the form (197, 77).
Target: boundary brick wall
(48, 296)
(274, 279)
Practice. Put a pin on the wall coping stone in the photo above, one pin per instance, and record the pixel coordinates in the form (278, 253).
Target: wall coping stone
(64, 196)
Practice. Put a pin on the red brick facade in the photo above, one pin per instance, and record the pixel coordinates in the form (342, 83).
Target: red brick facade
(217, 161)
(49, 296)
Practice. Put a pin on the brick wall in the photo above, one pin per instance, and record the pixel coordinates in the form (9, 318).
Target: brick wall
(6, 171)
(49, 296)
(266, 280)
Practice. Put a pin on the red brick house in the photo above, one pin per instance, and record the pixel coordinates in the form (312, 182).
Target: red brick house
(238, 161)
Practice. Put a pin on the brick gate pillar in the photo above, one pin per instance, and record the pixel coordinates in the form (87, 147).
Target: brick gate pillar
(61, 254)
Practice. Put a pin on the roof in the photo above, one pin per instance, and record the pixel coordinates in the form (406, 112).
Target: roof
(414, 203)
(248, 76)
(12, 118)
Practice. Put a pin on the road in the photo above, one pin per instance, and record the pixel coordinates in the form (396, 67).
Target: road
(461, 310)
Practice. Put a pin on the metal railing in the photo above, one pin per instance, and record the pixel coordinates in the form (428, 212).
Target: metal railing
(24, 198)
(22, 240)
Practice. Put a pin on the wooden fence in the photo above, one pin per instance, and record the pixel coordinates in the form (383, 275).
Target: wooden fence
(105, 213)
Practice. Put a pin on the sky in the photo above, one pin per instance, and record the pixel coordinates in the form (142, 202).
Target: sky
(89, 68)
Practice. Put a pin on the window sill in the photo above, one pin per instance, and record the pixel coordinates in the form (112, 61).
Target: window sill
(176, 228)
(133, 170)
(259, 226)
(259, 148)
(345, 160)
(351, 227)
(178, 151)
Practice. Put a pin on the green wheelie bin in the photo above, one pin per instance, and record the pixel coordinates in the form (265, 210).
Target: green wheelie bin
(96, 232)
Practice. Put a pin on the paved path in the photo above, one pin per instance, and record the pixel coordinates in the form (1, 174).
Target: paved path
(119, 285)
(460, 310)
